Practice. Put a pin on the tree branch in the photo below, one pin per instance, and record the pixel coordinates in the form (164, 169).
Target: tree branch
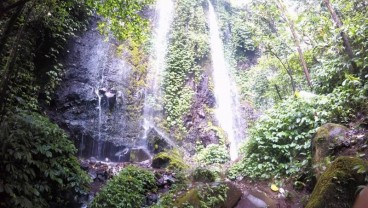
(12, 6)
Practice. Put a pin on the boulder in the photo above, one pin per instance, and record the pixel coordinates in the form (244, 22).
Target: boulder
(337, 186)
(256, 199)
(157, 142)
(233, 196)
(327, 140)
(211, 195)
(139, 155)
(171, 159)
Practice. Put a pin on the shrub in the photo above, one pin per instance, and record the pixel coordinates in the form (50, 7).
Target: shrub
(38, 167)
(128, 189)
(204, 175)
(212, 154)
(279, 143)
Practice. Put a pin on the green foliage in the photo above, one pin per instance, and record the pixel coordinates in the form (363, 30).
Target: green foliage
(29, 61)
(279, 143)
(213, 196)
(38, 166)
(138, 59)
(213, 154)
(188, 47)
(202, 196)
(123, 18)
(128, 189)
(204, 175)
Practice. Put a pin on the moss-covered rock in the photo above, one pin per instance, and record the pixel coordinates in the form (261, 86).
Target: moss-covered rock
(224, 195)
(337, 186)
(171, 159)
(324, 144)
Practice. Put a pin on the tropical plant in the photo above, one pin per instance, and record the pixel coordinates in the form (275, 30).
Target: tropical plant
(128, 189)
(38, 166)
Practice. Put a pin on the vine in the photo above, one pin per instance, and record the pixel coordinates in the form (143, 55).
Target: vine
(188, 48)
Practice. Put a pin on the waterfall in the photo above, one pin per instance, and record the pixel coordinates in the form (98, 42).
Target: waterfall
(101, 66)
(224, 94)
(152, 102)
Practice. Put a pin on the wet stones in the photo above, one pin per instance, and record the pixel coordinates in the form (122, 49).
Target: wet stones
(108, 97)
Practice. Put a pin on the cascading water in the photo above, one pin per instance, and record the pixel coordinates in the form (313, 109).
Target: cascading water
(91, 101)
(222, 84)
(152, 102)
(99, 96)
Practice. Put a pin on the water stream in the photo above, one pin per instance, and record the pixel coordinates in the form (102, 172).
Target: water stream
(222, 84)
(153, 95)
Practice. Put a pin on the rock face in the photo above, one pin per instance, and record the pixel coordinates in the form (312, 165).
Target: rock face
(337, 186)
(90, 103)
(156, 142)
(139, 155)
(328, 139)
(197, 120)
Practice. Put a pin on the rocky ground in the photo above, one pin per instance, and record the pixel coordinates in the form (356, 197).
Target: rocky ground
(338, 141)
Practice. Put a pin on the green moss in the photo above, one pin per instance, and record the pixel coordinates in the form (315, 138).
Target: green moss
(337, 186)
(191, 197)
(171, 159)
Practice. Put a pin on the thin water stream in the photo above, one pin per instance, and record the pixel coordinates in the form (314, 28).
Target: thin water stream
(153, 95)
(222, 84)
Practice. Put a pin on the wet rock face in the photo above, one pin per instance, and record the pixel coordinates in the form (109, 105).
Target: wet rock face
(139, 155)
(197, 121)
(156, 142)
(90, 102)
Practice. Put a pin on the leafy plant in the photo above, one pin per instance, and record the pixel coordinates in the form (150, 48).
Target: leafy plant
(38, 166)
(188, 47)
(123, 18)
(204, 175)
(279, 143)
(213, 154)
(128, 189)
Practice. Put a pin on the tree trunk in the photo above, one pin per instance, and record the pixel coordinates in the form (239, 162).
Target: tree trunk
(344, 36)
(7, 70)
(9, 27)
(278, 91)
(296, 41)
(287, 69)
